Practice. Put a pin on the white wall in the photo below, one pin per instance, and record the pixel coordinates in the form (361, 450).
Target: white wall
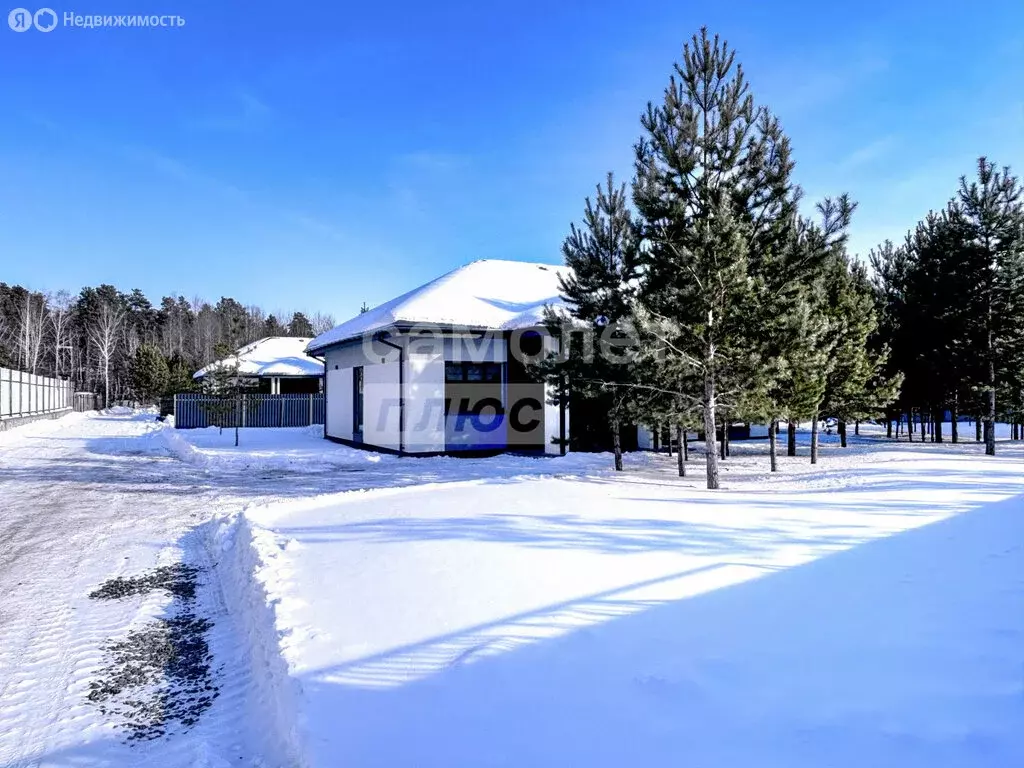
(381, 409)
(424, 401)
(339, 403)
(338, 364)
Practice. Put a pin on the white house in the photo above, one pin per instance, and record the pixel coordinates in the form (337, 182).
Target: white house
(442, 368)
(277, 365)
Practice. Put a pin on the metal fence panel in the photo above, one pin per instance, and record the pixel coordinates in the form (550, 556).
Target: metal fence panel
(26, 394)
(192, 411)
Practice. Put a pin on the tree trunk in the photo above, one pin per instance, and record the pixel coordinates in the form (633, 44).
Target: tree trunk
(668, 441)
(617, 444)
(721, 445)
(954, 414)
(680, 458)
(773, 430)
(657, 437)
(977, 429)
(910, 426)
(791, 438)
(685, 449)
(841, 427)
(990, 402)
(938, 426)
(814, 438)
(710, 449)
(856, 427)
(924, 427)
(888, 428)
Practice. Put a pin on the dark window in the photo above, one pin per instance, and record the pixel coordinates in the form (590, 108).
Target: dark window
(300, 385)
(357, 402)
(472, 372)
(530, 343)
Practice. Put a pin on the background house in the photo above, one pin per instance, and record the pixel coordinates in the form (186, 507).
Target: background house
(440, 370)
(276, 365)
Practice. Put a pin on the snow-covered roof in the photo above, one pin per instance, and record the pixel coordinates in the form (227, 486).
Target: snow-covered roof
(489, 294)
(271, 356)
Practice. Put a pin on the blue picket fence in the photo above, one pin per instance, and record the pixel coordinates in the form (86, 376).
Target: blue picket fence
(192, 411)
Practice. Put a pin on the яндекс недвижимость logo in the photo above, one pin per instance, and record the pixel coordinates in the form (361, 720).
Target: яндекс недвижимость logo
(22, 19)
(46, 20)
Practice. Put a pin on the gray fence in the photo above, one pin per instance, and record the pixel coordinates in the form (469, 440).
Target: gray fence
(87, 401)
(25, 394)
(192, 411)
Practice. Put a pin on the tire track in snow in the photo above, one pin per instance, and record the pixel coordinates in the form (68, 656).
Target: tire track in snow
(71, 517)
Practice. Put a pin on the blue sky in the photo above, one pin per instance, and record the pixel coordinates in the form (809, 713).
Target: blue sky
(321, 154)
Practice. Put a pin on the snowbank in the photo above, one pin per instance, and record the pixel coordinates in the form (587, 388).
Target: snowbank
(304, 450)
(245, 556)
(298, 449)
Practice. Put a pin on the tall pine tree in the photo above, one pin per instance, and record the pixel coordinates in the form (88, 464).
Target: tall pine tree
(701, 167)
(993, 207)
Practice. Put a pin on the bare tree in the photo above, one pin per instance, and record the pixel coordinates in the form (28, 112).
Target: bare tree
(59, 317)
(322, 322)
(31, 330)
(104, 337)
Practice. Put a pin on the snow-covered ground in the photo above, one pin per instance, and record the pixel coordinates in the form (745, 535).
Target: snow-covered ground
(85, 499)
(507, 611)
(304, 451)
(862, 612)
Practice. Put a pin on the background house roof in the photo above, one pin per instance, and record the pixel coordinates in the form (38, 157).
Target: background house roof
(271, 356)
(489, 294)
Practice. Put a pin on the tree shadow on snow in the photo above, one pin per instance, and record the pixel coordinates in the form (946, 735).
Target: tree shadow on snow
(904, 651)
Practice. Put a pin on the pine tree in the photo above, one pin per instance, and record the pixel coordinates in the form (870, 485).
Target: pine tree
(993, 207)
(148, 372)
(272, 327)
(599, 363)
(179, 376)
(855, 385)
(699, 168)
(300, 326)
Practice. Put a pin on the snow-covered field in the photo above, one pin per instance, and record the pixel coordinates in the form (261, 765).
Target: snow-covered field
(864, 612)
(509, 611)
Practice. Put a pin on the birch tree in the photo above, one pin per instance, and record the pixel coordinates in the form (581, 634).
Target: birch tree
(105, 335)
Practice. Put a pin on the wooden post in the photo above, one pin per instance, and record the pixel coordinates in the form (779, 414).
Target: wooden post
(310, 410)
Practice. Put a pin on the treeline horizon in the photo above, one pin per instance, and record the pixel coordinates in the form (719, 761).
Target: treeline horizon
(118, 343)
